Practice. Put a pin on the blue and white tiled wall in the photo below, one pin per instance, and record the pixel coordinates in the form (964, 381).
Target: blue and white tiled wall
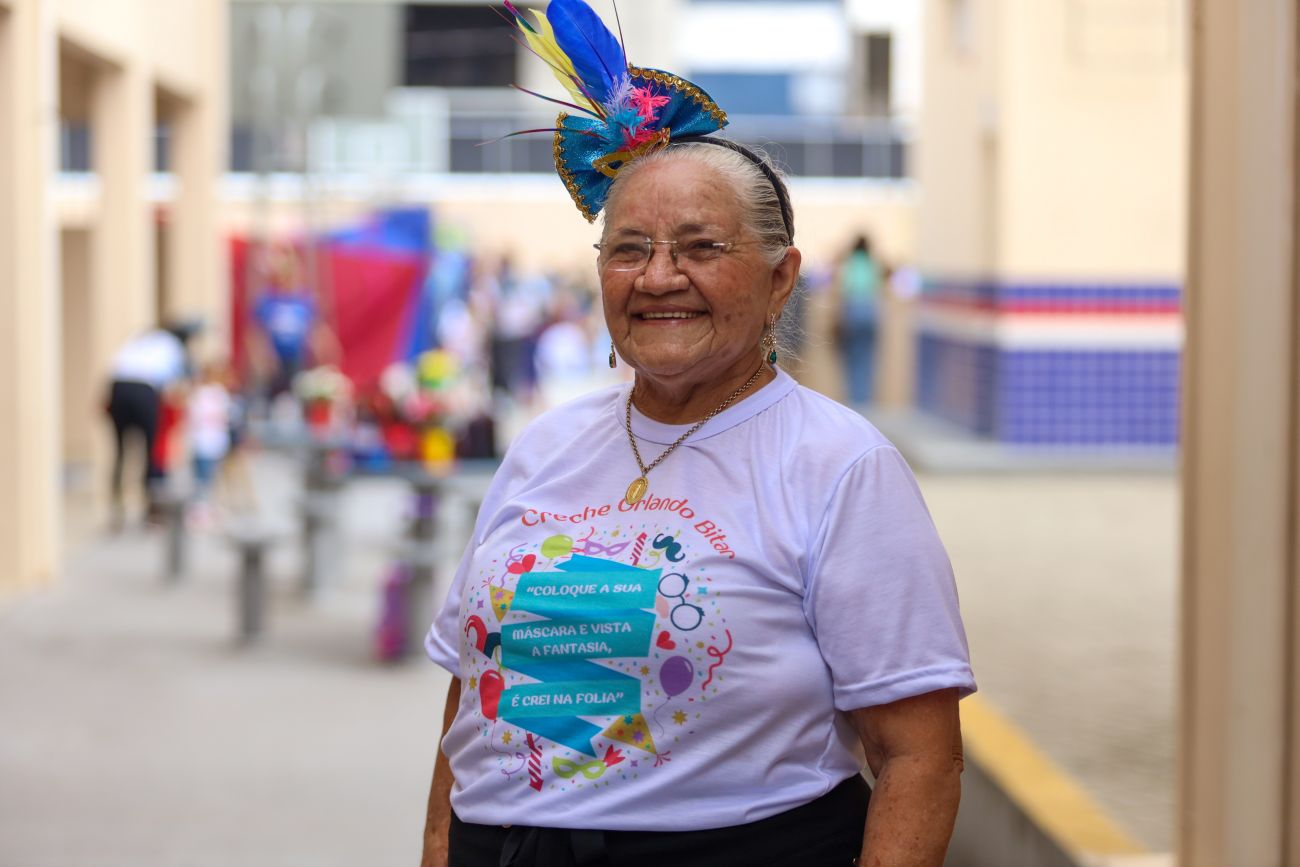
(1067, 365)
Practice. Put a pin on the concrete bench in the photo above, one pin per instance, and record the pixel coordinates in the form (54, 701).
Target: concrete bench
(252, 539)
(172, 508)
(319, 510)
(321, 540)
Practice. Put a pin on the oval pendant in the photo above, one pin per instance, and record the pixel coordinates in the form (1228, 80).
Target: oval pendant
(636, 491)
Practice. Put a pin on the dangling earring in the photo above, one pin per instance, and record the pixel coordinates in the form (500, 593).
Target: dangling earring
(613, 361)
(769, 340)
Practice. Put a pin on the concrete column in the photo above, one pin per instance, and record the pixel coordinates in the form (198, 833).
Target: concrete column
(1239, 787)
(122, 236)
(29, 305)
(192, 232)
(122, 124)
(197, 259)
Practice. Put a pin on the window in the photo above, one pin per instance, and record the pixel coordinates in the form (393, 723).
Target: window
(457, 46)
(878, 61)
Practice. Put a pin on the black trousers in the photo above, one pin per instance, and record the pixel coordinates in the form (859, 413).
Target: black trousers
(133, 407)
(824, 833)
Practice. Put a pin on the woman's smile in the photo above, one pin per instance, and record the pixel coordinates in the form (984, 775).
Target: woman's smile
(690, 327)
(666, 315)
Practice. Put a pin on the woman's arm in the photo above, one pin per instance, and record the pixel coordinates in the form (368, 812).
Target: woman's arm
(438, 819)
(914, 749)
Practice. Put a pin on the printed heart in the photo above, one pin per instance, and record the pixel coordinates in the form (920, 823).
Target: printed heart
(665, 641)
(522, 566)
(489, 692)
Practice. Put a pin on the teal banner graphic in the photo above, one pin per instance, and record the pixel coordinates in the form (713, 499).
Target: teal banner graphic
(583, 593)
(577, 697)
(594, 611)
(564, 638)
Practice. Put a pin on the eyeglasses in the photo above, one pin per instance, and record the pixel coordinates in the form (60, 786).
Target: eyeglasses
(684, 615)
(633, 254)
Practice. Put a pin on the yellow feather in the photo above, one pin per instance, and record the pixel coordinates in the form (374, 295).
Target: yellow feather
(543, 42)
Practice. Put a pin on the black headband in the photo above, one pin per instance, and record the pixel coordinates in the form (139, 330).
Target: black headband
(778, 186)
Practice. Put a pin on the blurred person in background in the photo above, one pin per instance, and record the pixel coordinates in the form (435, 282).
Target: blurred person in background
(566, 351)
(291, 334)
(518, 315)
(140, 372)
(209, 413)
(858, 283)
(171, 418)
(768, 597)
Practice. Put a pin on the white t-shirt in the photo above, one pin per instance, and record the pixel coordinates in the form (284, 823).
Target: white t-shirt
(684, 664)
(209, 422)
(155, 358)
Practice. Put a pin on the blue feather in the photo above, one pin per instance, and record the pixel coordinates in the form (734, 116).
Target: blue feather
(596, 54)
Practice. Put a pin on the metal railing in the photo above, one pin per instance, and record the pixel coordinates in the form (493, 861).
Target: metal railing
(427, 133)
(806, 147)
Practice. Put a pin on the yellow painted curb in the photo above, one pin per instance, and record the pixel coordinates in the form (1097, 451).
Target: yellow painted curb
(1040, 787)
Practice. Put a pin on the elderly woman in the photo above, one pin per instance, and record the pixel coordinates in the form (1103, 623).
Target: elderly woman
(695, 608)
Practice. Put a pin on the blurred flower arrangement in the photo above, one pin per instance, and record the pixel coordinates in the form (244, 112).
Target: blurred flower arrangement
(326, 395)
(418, 406)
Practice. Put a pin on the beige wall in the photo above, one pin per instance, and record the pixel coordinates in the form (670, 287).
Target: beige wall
(82, 395)
(1094, 138)
(958, 139)
(174, 40)
(64, 311)
(144, 55)
(1055, 146)
(28, 312)
(121, 116)
(148, 63)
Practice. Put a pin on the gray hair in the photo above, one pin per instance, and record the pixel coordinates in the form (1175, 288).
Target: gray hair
(757, 201)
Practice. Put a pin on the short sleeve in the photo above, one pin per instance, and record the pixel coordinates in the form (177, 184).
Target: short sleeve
(880, 595)
(440, 642)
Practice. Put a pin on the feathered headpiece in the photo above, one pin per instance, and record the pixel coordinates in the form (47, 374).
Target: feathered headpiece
(628, 111)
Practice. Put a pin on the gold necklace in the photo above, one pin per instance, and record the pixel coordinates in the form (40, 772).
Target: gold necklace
(640, 485)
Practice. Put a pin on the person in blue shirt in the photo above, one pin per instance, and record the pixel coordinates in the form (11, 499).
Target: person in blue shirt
(287, 317)
(290, 325)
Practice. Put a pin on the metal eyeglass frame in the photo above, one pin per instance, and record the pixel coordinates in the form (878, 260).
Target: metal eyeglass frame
(719, 247)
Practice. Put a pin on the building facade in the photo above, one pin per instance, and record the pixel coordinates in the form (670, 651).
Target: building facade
(1052, 155)
(90, 258)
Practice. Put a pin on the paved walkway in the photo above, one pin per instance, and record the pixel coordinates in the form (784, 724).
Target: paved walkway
(1068, 588)
(1067, 561)
(136, 732)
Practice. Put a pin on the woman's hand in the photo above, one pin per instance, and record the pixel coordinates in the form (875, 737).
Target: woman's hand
(438, 819)
(914, 749)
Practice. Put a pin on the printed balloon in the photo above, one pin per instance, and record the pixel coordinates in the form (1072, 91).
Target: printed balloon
(557, 546)
(489, 692)
(676, 674)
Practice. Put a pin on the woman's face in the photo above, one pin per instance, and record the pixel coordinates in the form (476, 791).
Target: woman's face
(719, 308)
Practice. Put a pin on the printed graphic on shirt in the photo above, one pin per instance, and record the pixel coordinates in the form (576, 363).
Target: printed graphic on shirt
(593, 659)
